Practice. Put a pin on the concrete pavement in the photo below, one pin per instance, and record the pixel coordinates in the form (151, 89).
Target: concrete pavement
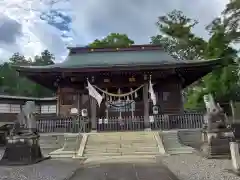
(124, 169)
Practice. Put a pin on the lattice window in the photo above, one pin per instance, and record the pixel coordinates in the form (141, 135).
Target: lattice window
(38, 109)
(5, 108)
(48, 109)
(15, 108)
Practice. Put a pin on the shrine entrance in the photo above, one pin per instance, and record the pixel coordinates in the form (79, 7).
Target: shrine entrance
(121, 97)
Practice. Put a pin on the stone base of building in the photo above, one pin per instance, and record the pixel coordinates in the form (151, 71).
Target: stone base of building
(22, 150)
(216, 144)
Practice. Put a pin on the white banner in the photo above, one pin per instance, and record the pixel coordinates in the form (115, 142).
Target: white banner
(92, 92)
(152, 94)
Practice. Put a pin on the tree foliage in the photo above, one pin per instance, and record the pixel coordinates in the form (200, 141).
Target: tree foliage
(112, 40)
(232, 19)
(176, 36)
(13, 84)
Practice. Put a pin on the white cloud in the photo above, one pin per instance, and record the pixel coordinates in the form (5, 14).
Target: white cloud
(36, 34)
(94, 19)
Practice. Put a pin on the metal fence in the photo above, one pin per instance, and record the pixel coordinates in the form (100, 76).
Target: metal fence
(63, 124)
(159, 122)
(174, 121)
(121, 124)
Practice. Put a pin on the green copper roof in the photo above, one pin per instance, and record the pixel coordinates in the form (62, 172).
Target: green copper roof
(116, 58)
(107, 58)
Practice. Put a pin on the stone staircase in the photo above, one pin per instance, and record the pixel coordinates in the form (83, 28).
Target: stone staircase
(191, 137)
(172, 144)
(50, 143)
(121, 143)
(70, 146)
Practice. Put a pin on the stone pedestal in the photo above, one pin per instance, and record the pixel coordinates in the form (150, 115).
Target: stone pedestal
(216, 143)
(234, 147)
(22, 150)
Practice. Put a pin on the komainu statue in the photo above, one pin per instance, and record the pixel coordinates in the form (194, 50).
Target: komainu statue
(215, 119)
(26, 122)
(216, 135)
(22, 146)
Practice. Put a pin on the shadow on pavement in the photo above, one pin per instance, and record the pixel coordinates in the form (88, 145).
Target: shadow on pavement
(124, 171)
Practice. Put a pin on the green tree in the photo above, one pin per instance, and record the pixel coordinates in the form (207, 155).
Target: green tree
(46, 58)
(223, 82)
(112, 40)
(18, 59)
(8, 79)
(232, 19)
(13, 84)
(176, 37)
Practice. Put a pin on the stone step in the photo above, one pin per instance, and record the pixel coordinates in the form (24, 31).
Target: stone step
(50, 146)
(62, 154)
(101, 154)
(172, 144)
(139, 145)
(190, 137)
(136, 149)
(139, 153)
(118, 144)
(119, 154)
(178, 151)
(101, 146)
(118, 140)
(123, 135)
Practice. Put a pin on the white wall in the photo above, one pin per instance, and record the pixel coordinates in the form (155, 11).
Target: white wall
(16, 108)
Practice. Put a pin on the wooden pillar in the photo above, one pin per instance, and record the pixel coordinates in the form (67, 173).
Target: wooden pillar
(93, 112)
(146, 106)
(58, 101)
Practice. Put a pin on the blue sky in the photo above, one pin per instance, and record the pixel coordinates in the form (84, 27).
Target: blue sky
(30, 26)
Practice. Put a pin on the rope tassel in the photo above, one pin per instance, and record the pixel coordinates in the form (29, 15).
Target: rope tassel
(135, 94)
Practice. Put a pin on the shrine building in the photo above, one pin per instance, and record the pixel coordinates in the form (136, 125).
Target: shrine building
(121, 76)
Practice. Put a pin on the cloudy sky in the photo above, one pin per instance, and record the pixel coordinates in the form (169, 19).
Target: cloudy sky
(30, 26)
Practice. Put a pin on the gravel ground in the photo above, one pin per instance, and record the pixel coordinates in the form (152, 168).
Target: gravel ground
(53, 169)
(193, 167)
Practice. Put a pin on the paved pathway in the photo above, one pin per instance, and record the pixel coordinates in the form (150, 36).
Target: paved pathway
(117, 168)
(131, 170)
